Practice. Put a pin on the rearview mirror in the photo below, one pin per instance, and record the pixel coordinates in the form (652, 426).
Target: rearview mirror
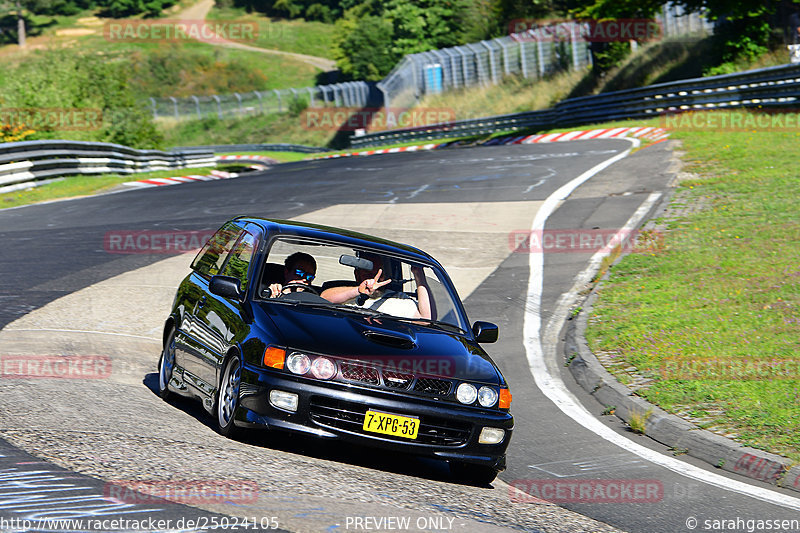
(485, 331)
(355, 262)
(225, 286)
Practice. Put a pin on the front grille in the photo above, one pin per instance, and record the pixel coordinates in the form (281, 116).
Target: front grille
(361, 373)
(397, 380)
(392, 378)
(432, 386)
(349, 416)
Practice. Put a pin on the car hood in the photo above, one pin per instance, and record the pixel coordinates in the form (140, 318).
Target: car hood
(394, 344)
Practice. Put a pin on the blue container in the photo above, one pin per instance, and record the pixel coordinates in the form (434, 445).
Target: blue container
(433, 78)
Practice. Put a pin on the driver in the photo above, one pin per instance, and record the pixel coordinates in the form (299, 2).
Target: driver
(369, 292)
(298, 269)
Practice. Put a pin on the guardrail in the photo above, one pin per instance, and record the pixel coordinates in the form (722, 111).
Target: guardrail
(280, 147)
(28, 161)
(767, 87)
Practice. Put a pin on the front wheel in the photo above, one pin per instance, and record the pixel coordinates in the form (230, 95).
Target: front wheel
(471, 473)
(166, 364)
(228, 396)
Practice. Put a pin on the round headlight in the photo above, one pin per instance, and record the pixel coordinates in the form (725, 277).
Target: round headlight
(298, 363)
(466, 393)
(487, 396)
(323, 368)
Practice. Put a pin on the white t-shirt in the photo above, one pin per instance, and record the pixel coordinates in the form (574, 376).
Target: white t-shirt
(393, 303)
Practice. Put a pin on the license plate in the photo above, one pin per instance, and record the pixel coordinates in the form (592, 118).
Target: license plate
(399, 426)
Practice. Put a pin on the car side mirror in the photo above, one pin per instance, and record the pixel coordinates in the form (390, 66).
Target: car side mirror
(485, 331)
(225, 286)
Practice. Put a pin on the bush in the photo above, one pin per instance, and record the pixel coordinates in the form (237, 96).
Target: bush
(319, 12)
(606, 56)
(64, 80)
(297, 106)
(11, 133)
(364, 48)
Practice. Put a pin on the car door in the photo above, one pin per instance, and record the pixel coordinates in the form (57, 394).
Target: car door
(224, 320)
(192, 340)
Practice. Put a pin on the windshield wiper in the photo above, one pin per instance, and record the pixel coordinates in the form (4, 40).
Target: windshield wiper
(430, 322)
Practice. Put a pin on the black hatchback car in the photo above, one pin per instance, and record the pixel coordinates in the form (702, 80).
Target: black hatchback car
(338, 335)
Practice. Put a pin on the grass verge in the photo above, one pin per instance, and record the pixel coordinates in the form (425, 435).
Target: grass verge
(711, 315)
(75, 186)
(514, 95)
(283, 157)
(275, 128)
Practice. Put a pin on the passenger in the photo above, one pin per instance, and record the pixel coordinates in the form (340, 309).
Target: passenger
(299, 268)
(368, 292)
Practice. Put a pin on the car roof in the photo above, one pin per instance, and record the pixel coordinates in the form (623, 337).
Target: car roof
(353, 238)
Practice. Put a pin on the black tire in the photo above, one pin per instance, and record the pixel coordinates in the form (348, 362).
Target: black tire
(472, 473)
(166, 365)
(228, 396)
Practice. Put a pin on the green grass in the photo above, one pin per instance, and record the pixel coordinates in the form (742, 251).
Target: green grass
(514, 95)
(220, 71)
(271, 128)
(75, 186)
(724, 284)
(283, 157)
(172, 69)
(298, 36)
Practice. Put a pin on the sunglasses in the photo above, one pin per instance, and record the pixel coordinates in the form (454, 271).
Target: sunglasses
(303, 274)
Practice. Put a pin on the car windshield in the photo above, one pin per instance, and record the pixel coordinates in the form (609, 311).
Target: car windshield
(340, 276)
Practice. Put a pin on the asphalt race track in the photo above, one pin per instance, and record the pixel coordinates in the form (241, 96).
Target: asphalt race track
(67, 291)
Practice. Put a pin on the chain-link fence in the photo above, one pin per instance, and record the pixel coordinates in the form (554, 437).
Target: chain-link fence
(484, 63)
(540, 50)
(676, 20)
(349, 94)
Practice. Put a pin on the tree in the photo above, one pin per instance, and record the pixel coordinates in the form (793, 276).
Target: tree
(425, 24)
(372, 36)
(363, 50)
(743, 26)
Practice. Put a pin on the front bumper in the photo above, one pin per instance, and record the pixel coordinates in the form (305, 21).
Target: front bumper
(336, 411)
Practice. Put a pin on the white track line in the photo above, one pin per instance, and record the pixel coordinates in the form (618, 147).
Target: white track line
(554, 388)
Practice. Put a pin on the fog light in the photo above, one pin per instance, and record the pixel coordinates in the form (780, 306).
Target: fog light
(492, 436)
(287, 400)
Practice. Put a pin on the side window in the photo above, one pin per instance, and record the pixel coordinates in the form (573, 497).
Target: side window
(239, 260)
(212, 256)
